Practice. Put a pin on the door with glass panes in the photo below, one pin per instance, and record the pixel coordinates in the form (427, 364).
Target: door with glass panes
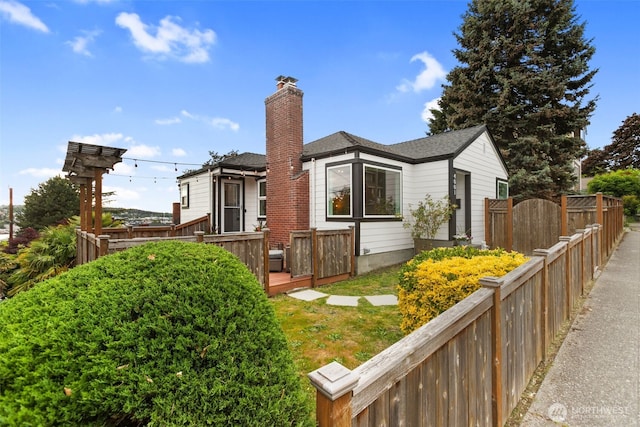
(232, 197)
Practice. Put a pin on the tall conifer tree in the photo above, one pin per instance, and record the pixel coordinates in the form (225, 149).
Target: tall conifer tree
(524, 72)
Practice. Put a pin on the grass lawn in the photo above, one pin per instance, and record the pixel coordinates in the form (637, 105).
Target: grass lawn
(318, 333)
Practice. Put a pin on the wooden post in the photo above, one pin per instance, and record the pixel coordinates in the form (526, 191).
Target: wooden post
(334, 384)
(544, 319)
(352, 252)
(103, 246)
(564, 216)
(88, 206)
(265, 260)
(199, 236)
(509, 247)
(495, 284)
(98, 215)
(568, 276)
(314, 256)
(487, 223)
(600, 220)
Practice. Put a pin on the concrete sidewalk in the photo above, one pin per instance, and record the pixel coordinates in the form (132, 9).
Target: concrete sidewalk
(595, 378)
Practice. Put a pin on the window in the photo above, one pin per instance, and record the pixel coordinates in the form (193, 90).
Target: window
(502, 189)
(339, 190)
(382, 191)
(262, 199)
(184, 195)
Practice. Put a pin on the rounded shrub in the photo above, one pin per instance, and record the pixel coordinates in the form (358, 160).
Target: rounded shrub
(163, 334)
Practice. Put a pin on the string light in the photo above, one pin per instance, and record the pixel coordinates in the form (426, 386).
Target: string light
(175, 164)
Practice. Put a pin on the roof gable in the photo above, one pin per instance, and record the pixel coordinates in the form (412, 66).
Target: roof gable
(444, 145)
(447, 144)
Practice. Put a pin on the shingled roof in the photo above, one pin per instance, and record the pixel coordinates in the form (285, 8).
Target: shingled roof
(440, 145)
(443, 145)
(419, 150)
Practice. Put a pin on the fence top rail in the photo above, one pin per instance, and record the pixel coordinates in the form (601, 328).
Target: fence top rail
(573, 240)
(516, 278)
(193, 222)
(386, 368)
(346, 231)
(125, 243)
(214, 238)
(552, 253)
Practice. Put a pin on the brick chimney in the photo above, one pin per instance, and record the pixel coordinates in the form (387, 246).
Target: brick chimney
(287, 183)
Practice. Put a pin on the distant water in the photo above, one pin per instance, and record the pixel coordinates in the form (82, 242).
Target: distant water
(4, 237)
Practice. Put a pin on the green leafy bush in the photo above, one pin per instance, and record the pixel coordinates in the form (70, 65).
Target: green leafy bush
(163, 334)
(436, 280)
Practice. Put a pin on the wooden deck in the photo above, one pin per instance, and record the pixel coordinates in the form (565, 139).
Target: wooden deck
(280, 283)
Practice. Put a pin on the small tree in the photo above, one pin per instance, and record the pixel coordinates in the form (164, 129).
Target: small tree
(52, 202)
(623, 183)
(428, 217)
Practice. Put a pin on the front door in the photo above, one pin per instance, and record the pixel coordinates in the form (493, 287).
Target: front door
(232, 206)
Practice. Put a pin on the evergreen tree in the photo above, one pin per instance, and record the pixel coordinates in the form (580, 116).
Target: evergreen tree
(525, 74)
(622, 153)
(595, 163)
(624, 150)
(53, 201)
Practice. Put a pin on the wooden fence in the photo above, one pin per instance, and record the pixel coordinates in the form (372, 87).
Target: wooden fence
(322, 256)
(325, 255)
(470, 365)
(250, 248)
(538, 223)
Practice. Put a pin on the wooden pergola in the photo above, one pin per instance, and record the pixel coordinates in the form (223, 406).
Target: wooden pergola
(85, 164)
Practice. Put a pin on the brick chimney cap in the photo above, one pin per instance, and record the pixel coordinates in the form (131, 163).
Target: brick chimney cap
(286, 80)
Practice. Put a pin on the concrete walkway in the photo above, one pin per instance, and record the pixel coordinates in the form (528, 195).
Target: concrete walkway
(348, 301)
(595, 378)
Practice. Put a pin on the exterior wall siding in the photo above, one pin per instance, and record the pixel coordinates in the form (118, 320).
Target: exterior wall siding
(426, 178)
(199, 198)
(482, 160)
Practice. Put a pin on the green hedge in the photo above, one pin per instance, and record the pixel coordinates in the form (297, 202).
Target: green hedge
(164, 334)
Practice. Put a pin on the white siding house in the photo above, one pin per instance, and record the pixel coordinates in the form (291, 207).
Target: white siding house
(355, 182)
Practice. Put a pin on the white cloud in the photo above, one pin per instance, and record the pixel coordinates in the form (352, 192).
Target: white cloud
(41, 172)
(143, 151)
(95, 1)
(217, 122)
(169, 121)
(187, 114)
(170, 40)
(222, 123)
(428, 77)
(124, 168)
(434, 104)
(20, 14)
(178, 152)
(80, 43)
(118, 109)
(101, 139)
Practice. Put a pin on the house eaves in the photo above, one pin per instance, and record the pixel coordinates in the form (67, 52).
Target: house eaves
(242, 164)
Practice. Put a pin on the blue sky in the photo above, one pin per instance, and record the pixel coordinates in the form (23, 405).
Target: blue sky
(171, 80)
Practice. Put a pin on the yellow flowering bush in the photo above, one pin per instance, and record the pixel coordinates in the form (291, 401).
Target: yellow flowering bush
(436, 280)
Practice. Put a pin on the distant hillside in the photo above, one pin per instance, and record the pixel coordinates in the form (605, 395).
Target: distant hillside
(133, 212)
(131, 216)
